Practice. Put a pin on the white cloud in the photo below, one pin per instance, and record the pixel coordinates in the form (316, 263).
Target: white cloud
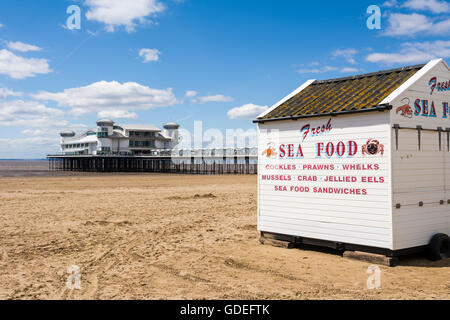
(317, 70)
(315, 67)
(38, 123)
(103, 95)
(29, 142)
(390, 3)
(349, 70)
(407, 24)
(32, 132)
(149, 54)
(434, 6)
(116, 114)
(27, 114)
(348, 54)
(18, 67)
(215, 98)
(79, 111)
(400, 24)
(26, 147)
(22, 47)
(5, 93)
(52, 129)
(190, 94)
(34, 118)
(442, 27)
(36, 144)
(247, 111)
(117, 13)
(413, 52)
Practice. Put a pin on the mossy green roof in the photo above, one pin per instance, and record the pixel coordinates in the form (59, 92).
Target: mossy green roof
(343, 95)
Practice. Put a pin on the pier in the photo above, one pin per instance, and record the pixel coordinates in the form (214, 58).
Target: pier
(192, 162)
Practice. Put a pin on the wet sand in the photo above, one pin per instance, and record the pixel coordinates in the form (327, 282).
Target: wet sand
(172, 237)
(25, 168)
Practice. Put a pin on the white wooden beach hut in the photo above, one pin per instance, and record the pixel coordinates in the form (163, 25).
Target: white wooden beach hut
(360, 163)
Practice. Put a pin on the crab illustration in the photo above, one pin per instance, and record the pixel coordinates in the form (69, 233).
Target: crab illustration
(406, 110)
(270, 151)
(373, 147)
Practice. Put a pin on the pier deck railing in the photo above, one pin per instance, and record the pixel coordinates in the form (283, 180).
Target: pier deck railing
(231, 161)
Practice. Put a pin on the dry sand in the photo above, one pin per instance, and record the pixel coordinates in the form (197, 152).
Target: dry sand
(172, 237)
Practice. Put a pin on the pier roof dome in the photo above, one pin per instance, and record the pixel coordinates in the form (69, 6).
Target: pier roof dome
(67, 134)
(105, 123)
(171, 125)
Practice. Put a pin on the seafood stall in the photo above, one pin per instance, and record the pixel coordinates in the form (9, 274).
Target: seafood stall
(360, 163)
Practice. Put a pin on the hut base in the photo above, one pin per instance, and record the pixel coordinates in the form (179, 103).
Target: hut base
(277, 243)
(371, 258)
(374, 255)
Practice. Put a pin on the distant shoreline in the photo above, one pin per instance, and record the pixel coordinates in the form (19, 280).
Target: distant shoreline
(23, 167)
(23, 159)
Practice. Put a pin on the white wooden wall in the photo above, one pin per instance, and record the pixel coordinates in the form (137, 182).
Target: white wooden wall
(421, 176)
(358, 219)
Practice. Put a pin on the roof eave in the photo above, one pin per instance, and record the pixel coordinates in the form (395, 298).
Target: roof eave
(289, 96)
(381, 107)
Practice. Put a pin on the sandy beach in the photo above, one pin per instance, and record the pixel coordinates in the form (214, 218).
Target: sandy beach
(172, 237)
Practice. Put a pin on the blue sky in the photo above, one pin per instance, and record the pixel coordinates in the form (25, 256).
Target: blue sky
(221, 62)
